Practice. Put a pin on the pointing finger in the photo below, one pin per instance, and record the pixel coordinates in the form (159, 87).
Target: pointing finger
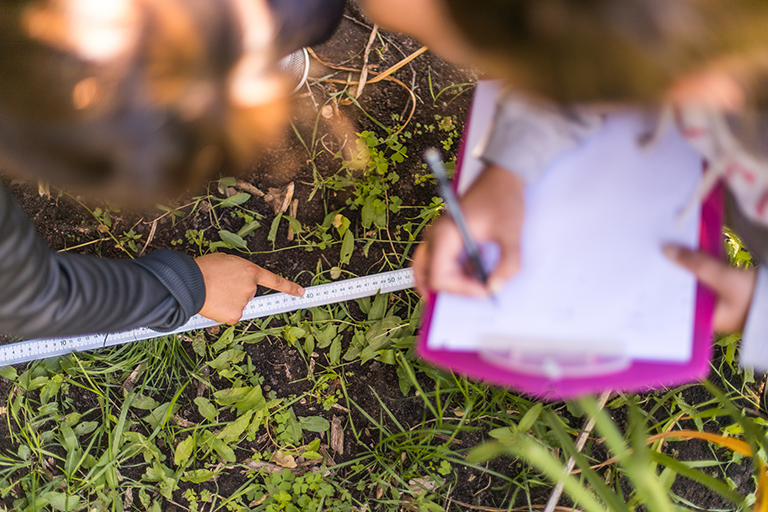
(266, 278)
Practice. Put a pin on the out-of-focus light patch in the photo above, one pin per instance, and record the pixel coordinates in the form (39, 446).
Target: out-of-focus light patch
(253, 82)
(86, 92)
(95, 30)
(102, 29)
(197, 99)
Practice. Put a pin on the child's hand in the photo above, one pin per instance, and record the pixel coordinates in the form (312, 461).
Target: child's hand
(733, 286)
(493, 208)
(230, 282)
(715, 89)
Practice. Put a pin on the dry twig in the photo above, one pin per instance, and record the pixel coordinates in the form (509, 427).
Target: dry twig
(366, 55)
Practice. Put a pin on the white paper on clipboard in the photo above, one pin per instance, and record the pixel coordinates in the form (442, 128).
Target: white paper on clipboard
(594, 280)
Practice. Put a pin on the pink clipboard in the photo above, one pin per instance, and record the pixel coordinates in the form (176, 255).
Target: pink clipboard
(638, 376)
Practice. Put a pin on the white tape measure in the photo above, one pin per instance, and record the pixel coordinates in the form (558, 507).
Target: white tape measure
(265, 305)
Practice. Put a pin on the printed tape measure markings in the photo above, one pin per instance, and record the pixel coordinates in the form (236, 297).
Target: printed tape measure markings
(265, 305)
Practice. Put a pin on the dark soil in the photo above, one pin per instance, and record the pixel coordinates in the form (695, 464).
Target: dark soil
(64, 223)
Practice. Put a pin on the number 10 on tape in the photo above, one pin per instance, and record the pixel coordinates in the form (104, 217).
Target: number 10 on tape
(265, 305)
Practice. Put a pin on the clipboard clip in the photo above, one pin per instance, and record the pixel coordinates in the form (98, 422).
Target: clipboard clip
(555, 360)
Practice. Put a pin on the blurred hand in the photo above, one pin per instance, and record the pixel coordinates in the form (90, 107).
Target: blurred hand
(493, 208)
(715, 89)
(231, 281)
(732, 286)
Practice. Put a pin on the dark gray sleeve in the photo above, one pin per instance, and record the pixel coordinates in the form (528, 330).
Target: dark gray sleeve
(45, 293)
(526, 135)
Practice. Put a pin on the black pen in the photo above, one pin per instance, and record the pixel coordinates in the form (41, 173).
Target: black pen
(435, 161)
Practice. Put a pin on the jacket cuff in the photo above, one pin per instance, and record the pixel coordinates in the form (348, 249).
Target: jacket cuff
(754, 342)
(181, 276)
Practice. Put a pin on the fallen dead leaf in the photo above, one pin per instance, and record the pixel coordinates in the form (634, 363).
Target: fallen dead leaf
(131, 380)
(182, 422)
(285, 460)
(292, 211)
(419, 485)
(337, 435)
(280, 198)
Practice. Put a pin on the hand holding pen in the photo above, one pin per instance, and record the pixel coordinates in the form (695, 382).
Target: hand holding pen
(493, 212)
(432, 156)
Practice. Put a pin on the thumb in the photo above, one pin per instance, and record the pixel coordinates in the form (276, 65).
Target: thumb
(733, 287)
(710, 271)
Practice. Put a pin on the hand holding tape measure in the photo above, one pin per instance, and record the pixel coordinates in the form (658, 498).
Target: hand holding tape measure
(262, 306)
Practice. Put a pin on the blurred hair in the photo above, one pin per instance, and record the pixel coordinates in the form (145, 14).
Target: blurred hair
(135, 95)
(611, 50)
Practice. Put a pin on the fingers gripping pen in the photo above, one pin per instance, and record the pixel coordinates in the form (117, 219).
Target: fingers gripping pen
(432, 156)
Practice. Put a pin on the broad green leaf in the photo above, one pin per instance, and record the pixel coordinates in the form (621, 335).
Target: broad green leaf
(143, 402)
(272, 237)
(226, 358)
(235, 200)
(503, 433)
(243, 399)
(341, 223)
(294, 223)
(249, 228)
(136, 443)
(9, 372)
(403, 380)
(161, 415)
(223, 450)
(232, 240)
(364, 304)
(330, 219)
(309, 344)
(232, 432)
(184, 451)
(225, 340)
(292, 334)
(198, 476)
(86, 428)
(224, 184)
(530, 418)
(314, 423)
(293, 427)
(68, 437)
(206, 409)
(380, 333)
(347, 247)
(199, 343)
(325, 336)
(367, 212)
(379, 306)
(61, 501)
(335, 352)
(254, 400)
(231, 396)
(72, 418)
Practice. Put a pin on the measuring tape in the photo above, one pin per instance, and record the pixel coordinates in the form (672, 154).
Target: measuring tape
(259, 307)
